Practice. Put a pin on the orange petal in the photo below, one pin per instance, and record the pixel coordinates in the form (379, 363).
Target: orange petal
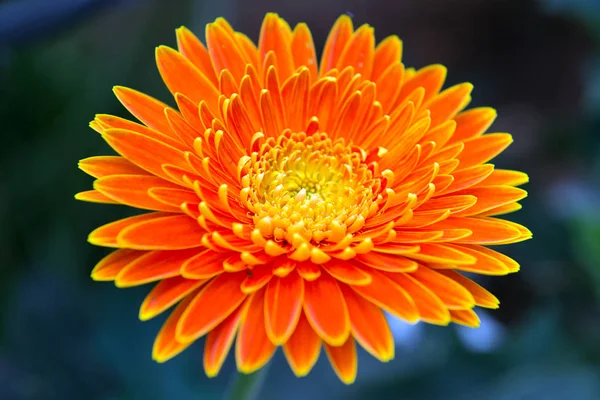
(369, 326)
(145, 108)
(303, 348)
(257, 278)
(343, 360)
(219, 341)
(387, 52)
(109, 165)
(346, 272)
(431, 308)
(215, 302)
(386, 294)
(482, 149)
(273, 38)
(359, 52)
(248, 48)
(387, 262)
(94, 196)
(303, 50)
(109, 267)
(153, 266)
(467, 177)
(512, 265)
(431, 78)
(165, 294)
(340, 34)
(455, 204)
(490, 197)
(167, 137)
(485, 265)
(184, 130)
(181, 76)
(253, 349)
(482, 297)
(473, 123)
(407, 237)
(389, 85)
(441, 134)
(190, 111)
(283, 305)
(167, 233)
(294, 94)
(486, 230)
(193, 49)
(421, 219)
(449, 102)
(166, 346)
(204, 265)
(145, 152)
(502, 210)
(106, 235)
(326, 310)
(396, 249)
(224, 51)
(443, 254)
(173, 197)
(506, 177)
(465, 317)
(454, 296)
(132, 190)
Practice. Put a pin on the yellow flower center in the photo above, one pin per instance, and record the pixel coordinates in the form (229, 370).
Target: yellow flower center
(309, 185)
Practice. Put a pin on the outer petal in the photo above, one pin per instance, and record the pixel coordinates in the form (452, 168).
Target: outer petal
(482, 297)
(94, 196)
(109, 267)
(283, 305)
(326, 309)
(343, 360)
(431, 308)
(167, 233)
(109, 165)
(219, 341)
(153, 266)
(132, 190)
(215, 302)
(166, 346)
(387, 53)
(465, 317)
(369, 326)
(454, 296)
(189, 45)
(336, 41)
(165, 294)
(273, 37)
(473, 123)
(303, 348)
(347, 272)
(106, 235)
(253, 349)
(303, 50)
(180, 75)
(143, 107)
(390, 296)
(145, 152)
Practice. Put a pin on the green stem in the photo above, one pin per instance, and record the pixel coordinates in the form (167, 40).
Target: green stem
(247, 387)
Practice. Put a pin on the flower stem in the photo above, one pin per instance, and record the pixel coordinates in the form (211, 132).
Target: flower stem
(247, 387)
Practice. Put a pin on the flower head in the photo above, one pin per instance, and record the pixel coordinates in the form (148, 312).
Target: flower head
(292, 202)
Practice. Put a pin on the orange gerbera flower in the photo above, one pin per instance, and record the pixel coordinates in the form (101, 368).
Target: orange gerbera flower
(292, 202)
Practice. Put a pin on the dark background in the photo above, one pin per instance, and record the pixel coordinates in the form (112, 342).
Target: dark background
(63, 336)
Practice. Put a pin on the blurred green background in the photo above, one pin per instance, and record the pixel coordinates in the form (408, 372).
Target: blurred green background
(63, 336)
